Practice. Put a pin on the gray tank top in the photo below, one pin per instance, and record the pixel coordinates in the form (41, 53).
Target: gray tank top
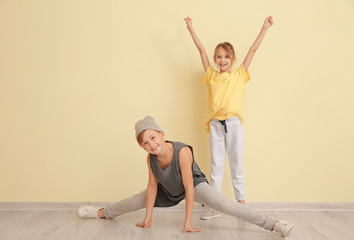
(170, 186)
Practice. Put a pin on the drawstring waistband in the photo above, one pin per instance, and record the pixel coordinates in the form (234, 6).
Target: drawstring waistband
(223, 122)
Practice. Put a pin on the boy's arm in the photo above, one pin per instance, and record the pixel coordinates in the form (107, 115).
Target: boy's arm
(267, 23)
(186, 162)
(198, 44)
(150, 197)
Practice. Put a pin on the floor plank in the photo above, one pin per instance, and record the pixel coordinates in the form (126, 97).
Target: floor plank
(55, 225)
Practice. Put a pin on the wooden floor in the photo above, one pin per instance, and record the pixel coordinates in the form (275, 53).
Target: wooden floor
(65, 225)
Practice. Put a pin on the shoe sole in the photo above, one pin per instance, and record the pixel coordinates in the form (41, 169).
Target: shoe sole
(287, 231)
(210, 217)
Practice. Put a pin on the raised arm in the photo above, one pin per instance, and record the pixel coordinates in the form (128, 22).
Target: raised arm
(150, 198)
(267, 23)
(186, 162)
(198, 44)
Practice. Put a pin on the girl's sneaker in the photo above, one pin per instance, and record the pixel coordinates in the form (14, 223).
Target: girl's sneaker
(210, 214)
(88, 211)
(283, 227)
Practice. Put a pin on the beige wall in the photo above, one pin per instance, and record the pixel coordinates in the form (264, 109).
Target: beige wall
(76, 75)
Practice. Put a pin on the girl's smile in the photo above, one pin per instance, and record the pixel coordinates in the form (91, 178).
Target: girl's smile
(223, 60)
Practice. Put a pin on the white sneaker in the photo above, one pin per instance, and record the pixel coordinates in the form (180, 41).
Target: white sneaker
(87, 211)
(283, 227)
(210, 214)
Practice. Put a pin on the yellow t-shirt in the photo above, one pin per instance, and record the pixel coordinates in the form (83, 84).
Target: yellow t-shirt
(226, 92)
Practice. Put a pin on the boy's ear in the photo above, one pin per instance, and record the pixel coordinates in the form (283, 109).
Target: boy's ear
(162, 134)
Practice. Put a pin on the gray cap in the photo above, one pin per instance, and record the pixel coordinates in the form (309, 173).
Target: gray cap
(145, 124)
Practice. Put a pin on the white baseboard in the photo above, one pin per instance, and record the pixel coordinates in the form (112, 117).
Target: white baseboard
(261, 206)
(302, 206)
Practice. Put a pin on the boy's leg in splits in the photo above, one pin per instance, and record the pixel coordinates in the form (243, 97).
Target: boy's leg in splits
(207, 195)
(131, 204)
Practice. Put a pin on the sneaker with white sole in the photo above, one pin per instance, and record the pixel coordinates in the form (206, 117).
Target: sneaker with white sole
(210, 214)
(283, 227)
(88, 211)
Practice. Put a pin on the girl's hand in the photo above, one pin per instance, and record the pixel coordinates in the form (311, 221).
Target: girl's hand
(188, 21)
(145, 224)
(188, 228)
(268, 22)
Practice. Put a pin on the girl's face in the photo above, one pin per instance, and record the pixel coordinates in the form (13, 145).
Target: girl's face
(152, 141)
(223, 59)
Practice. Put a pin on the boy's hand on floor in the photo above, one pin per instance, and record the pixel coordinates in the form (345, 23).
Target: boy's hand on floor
(190, 229)
(145, 224)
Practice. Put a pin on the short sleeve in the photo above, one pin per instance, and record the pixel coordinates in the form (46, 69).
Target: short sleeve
(243, 74)
(208, 75)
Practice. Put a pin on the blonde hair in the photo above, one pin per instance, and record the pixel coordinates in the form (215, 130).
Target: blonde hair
(228, 48)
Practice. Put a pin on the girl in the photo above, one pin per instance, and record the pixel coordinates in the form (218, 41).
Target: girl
(173, 176)
(224, 118)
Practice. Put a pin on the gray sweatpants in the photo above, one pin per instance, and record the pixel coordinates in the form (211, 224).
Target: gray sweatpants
(204, 194)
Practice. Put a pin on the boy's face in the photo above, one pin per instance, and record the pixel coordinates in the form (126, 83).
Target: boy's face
(152, 141)
(223, 59)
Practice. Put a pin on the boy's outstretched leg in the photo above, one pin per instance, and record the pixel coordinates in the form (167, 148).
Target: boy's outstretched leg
(207, 195)
(134, 203)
